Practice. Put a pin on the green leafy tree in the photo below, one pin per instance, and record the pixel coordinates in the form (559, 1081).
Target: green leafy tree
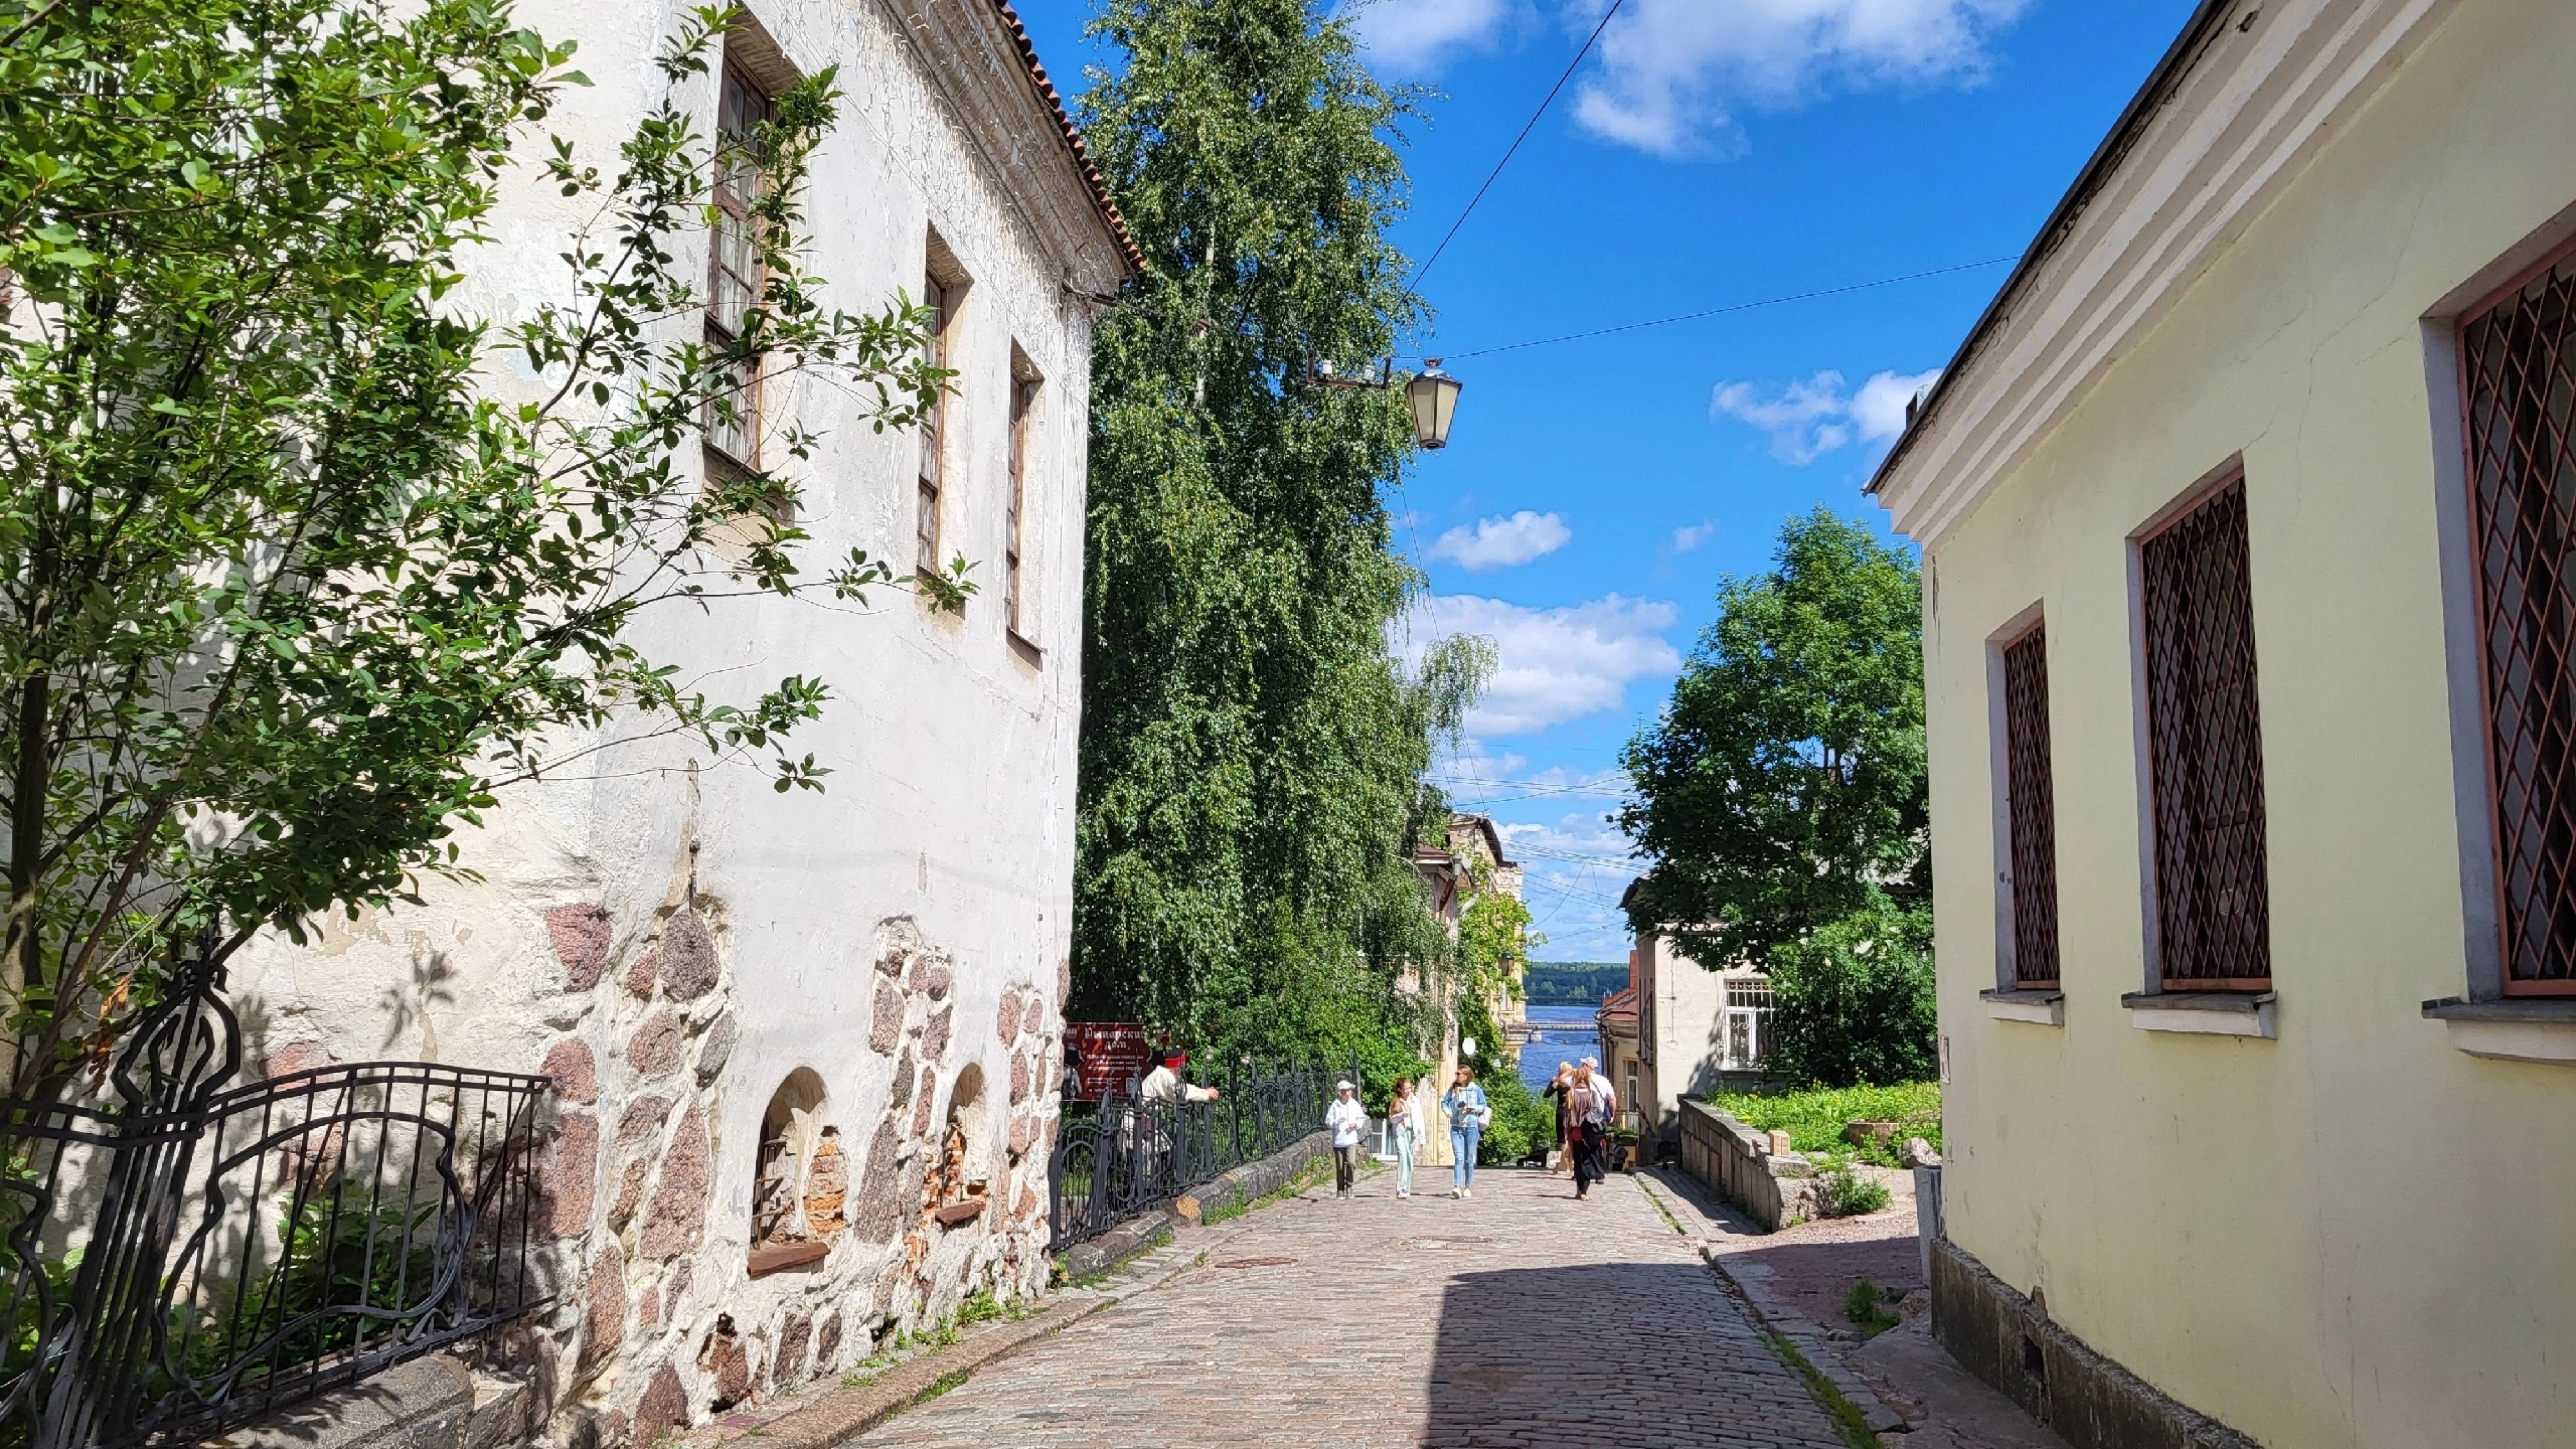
(1853, 1002)
(1783, 794)
(1252, 752)
(288, 594)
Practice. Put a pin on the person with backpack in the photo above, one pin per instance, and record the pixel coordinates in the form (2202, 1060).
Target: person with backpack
(1468, 1113)
(1589, 1105)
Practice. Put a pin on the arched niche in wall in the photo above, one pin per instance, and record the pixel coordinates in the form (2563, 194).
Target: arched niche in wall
(802, 1179)
(955, 1185)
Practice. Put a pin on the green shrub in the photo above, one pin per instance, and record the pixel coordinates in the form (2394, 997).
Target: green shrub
(1864, 1307)
(1853, 1001)
(1844, 1193)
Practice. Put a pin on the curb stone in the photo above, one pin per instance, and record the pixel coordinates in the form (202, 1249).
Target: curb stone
(1802, 1332)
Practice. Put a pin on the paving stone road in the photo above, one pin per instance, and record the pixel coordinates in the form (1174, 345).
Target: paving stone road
(1519, 1317)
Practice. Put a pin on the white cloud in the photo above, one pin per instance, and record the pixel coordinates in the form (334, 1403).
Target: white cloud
(1691, 536)
(1673, 73)
(1554, 665)
(1501, 543)
(1416, 35)
(1809, 419)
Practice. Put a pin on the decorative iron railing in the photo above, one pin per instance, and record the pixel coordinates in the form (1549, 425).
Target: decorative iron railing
(193, 1256)
(1121, 1156)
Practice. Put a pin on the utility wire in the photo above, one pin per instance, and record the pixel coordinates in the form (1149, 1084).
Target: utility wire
(1737, 307)
(1412, 287)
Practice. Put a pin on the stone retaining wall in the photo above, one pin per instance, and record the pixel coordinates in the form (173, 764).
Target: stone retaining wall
(1754, 1170)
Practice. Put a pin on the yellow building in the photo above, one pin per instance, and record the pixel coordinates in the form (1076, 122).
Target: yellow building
(2250, 617)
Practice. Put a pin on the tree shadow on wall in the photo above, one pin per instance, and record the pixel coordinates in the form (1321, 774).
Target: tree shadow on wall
(1552, 1355)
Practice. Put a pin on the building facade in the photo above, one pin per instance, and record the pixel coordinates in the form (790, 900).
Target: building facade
(2245, 516)
(1682, 1030)
(804, 1046)
(1453, 873)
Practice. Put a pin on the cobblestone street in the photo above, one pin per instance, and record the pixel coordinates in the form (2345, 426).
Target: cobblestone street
(1518, 1317)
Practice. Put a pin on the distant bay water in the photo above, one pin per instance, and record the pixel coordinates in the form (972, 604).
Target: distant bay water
(1564, 1034)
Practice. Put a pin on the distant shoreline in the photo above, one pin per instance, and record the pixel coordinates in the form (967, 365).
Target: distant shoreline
(1572, 983)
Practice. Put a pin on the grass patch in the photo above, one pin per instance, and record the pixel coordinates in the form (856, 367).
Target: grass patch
(1866, 1307)
(1849, 1421)
(1815, 1119)
(946, 1382)
(1312, 1175)
(1658, 1201)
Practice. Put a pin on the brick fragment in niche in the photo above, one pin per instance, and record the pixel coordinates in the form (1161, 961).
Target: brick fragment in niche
(1028, 1205)
(1006, 1022)
(580, 937)
(648, 1310)
(1064, 978)
(941, 978)
(688, 958)
(630, 1192)
(640, 976)
(575, 1071)
(565, 1170)
(934, 1038)
(1021, 1135)
(1034, 1020)
(604, 1322)
(665, 1405)
(888, 1027)
(1019, 1079)
(677, 1219)
(827, 1345)
(655, 1047)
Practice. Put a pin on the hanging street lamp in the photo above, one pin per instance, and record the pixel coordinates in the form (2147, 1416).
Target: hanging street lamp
(1434, 398)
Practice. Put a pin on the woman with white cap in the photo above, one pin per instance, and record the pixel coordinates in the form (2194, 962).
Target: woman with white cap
(1349, 1123)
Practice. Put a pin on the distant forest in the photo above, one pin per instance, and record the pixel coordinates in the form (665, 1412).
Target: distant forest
(1573, 983)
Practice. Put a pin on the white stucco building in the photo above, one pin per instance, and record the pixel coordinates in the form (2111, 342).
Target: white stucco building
(804, 1045)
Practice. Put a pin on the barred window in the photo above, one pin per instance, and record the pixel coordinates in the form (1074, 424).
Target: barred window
(2518, 355)
(2205, 742)
(934, 429)
(734, 278)
(2032, 810)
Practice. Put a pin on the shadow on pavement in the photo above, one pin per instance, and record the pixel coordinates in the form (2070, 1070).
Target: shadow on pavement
(1629, 1354)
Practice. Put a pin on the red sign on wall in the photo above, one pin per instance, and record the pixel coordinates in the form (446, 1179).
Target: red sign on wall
(1109, 1055)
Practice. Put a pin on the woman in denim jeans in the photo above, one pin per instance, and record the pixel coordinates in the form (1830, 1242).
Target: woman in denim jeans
(1467, 1111)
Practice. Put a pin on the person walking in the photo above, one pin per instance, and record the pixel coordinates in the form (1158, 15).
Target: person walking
(1468, 1114)
(1589, 1103)
(1404, 1124)
(1555, 1093)
(1349, 1123)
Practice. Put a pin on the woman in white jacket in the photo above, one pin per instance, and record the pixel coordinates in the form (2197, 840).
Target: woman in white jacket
(1404, 1124)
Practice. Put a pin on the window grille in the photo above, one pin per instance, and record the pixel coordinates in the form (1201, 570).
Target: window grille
(2518, 357)
(1024, 395)
(1752, 995)
(2213, 906)
(934, 430)
(734, 275)
(2033, 810)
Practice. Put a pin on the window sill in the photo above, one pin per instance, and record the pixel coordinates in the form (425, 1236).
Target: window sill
(2040, 1008)
(2511, 1029)
(2205, 1013)
(1029, 654)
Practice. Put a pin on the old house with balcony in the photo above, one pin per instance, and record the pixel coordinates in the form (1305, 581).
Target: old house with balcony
(2250, 647)
(803, 1047)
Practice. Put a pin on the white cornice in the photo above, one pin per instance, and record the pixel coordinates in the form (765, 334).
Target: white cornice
(976, 64)
(2238, 127)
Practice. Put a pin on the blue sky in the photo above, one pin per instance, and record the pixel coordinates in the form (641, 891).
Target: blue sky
(1709, 153)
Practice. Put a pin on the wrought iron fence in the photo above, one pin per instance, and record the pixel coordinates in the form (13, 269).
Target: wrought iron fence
(1121, 1156)
(192, 1256)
